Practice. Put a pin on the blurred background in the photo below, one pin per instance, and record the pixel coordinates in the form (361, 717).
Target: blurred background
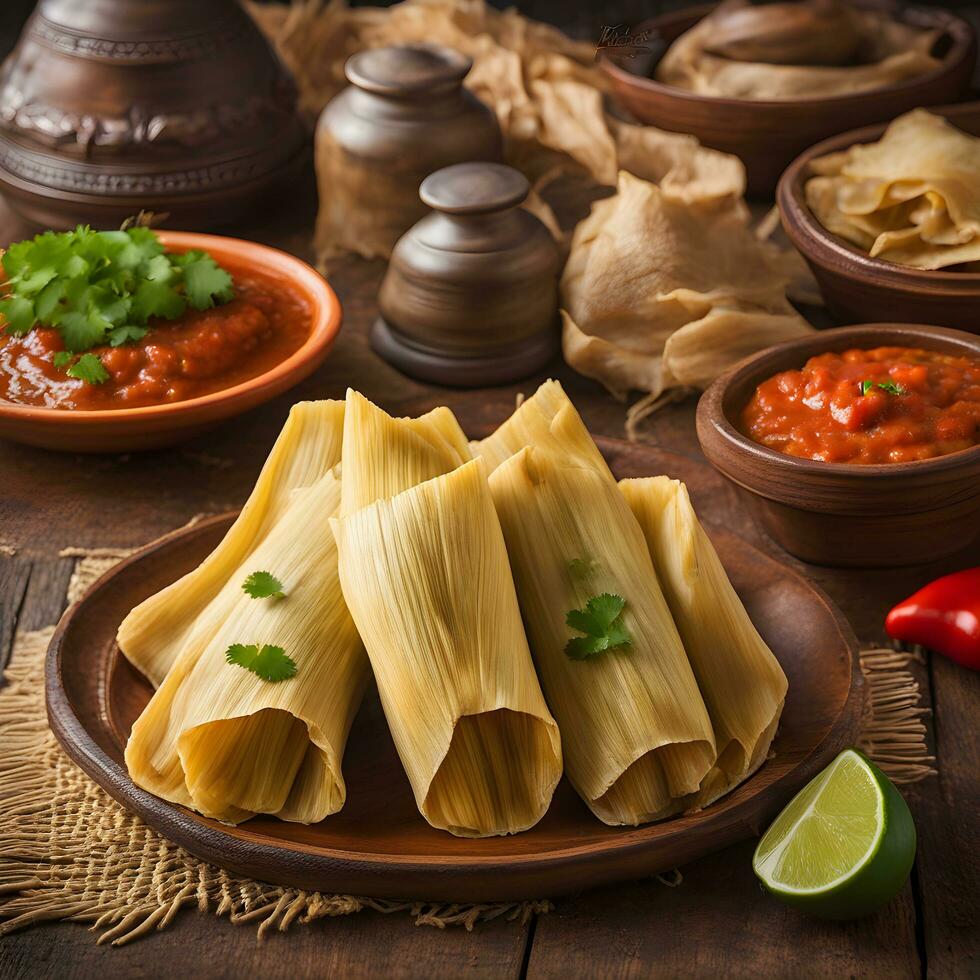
(580, 18)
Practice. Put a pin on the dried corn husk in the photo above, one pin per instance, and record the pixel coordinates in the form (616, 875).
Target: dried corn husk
(548, 418)
(913, 197)
(426, 577)
(224, 741)
(546, 91)
(635, 731)
(657, 294)
(384, 456)
(741, 681)
(153, 634)
(886, 51)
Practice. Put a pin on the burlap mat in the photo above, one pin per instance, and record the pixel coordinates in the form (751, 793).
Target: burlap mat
(68, 851)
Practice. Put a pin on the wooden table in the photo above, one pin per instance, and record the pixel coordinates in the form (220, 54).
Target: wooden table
(717, 922)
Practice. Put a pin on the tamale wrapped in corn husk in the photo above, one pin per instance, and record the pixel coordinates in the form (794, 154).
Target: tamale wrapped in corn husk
(635, 730)
(384, 456)
(426, 578)
(741, 681)
(548, 418)
(219, 738)
(190, 609)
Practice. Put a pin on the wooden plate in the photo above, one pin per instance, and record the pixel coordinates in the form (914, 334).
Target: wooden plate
(378, 845)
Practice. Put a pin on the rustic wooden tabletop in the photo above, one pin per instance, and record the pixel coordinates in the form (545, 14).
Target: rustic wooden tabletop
(717, 922)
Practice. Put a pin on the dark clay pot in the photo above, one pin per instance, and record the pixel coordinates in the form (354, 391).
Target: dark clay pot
(404, 115)
(108, 107)
(471, 293)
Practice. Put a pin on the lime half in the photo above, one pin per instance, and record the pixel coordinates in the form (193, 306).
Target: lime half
(843, 846)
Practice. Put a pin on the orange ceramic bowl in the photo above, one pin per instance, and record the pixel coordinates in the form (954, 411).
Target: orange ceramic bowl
(152, 426)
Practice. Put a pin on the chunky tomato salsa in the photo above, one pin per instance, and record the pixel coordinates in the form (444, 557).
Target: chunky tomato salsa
(887, 405)
(202, 351)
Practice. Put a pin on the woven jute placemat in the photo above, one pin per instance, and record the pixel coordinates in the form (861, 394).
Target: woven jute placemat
(68, 851)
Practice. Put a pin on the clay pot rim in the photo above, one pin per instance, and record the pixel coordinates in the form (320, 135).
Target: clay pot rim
(457, 67)
(325, 321)
(961, 33)
(825, 249)
(717, 432)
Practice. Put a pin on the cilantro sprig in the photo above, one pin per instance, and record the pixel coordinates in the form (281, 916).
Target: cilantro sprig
(263, 585)
(601, 620)
(582, 568)
(87, 368)
(103, 287)
(271, 663)
(890, 386)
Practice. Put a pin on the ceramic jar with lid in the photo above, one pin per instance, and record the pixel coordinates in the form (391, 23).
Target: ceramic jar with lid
(404, 115)
(110, 107)
(471, 293)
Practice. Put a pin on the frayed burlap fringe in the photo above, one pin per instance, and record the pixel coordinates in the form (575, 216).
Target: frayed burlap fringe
(68, 851)
(893, 733)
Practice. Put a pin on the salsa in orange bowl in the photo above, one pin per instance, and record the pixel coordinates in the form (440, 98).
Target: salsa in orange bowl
(227, 338)
(208, 327)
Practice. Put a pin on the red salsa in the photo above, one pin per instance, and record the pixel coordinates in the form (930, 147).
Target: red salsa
(196, 354)
(887, 405)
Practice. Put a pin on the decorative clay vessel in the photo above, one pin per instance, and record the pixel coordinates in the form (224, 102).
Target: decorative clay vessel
(471, 293)
(108, 107)
(404, 115)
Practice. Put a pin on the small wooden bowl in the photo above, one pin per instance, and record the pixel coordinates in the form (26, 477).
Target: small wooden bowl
(127, 429)
(845, 514)
(768, 134)
(857, 287)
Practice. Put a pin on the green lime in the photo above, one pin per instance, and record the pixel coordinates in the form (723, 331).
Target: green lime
(843, 846)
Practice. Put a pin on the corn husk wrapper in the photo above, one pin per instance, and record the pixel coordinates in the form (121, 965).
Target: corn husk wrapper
(222, 740)
(741, 681)
(635, 731)
(384, 456)
(426, 577)
(657, 294)
(191, 609)
(912, 198)
(888, 51)
(545, 89)
(548, 419)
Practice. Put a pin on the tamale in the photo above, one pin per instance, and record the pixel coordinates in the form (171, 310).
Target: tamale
(426, 578)
(228, 743)
(159, 627)
(741, 681)
(384, 455)
(635, 730)
(548, 418)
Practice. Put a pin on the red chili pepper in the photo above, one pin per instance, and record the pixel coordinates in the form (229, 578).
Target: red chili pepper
(943, 616)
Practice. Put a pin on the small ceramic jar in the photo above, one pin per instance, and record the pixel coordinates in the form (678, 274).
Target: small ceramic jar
(112, 107)
(471, 293)
(404, 115)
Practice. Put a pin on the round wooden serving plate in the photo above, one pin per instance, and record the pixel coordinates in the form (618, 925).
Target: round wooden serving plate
(379, 845)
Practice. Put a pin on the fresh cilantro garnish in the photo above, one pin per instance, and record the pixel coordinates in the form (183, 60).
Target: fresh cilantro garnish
(890, 386)
(103, 287)
(204, 280)
(263, 585)
(269, 662)
(602, 623)
(89, 368)
(123, 335)
(580, 568)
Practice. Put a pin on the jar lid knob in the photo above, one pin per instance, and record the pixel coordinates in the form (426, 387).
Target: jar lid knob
(407, 70)
(474, 188)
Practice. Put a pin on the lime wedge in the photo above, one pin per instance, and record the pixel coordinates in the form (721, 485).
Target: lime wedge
(843, 846)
